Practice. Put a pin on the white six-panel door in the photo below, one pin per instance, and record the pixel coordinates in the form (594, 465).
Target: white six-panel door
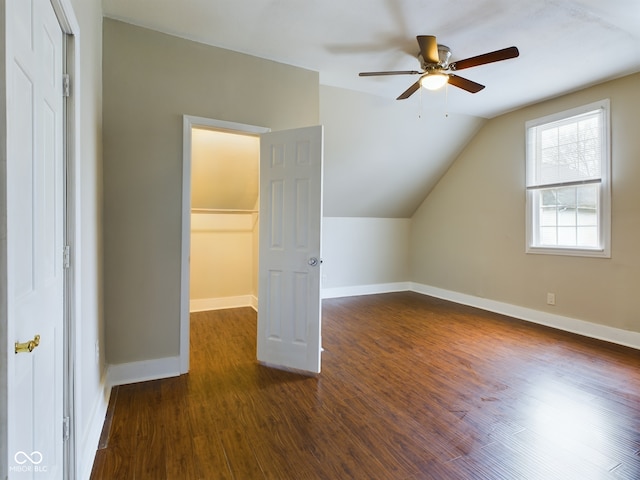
(35, 239)
(289, 308)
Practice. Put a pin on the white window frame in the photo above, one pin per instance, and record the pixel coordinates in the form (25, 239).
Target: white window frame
(604, 219)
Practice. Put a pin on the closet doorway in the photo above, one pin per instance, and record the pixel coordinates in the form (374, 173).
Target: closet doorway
(224, 220)
(220, 217)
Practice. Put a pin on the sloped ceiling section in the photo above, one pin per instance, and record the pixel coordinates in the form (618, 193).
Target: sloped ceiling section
(224, 170)
(381, 159)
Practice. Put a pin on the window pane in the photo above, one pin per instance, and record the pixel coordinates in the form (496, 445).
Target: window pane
(569, 150)
(587, 218)
(548, 216)
(567, 237)
(549, 138)
(587, 236)
(588, 196)
(548, 236)
(568, 216)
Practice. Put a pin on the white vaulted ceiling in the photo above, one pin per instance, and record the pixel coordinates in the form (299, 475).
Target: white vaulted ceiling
(565, 45)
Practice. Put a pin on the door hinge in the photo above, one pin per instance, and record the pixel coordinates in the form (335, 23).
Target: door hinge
(66, 85)
(66, 257)
(65, 428)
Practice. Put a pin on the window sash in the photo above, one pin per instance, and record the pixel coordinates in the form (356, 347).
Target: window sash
(572, 224)
(564, 158)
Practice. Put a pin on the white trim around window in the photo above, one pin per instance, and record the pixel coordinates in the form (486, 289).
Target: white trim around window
(568, 182)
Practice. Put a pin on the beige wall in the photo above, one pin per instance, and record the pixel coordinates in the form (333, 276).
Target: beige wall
(364, 251)
(222, 257)
(469, 234)
(150, 81)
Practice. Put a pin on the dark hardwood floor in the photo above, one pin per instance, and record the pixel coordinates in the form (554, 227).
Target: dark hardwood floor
(411, 388)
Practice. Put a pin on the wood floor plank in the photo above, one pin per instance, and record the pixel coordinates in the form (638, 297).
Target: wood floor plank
(112, 463)
(412, 387)
(238, 449)
(208, 453)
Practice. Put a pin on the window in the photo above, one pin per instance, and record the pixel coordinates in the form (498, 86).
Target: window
(568, 182)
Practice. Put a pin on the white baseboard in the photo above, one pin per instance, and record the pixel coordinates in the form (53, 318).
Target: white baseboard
(581, 327)
(206, 304)
(143, 371)
(121, 374)
(87, 444)
(356, 290)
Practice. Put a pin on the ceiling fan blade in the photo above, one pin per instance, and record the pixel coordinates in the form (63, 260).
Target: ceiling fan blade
(409, 91)
(394, 72)
(428, 48)
(465, 84)
(498, 55)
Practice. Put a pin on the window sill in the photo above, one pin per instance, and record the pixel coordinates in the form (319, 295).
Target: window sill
(570, 252)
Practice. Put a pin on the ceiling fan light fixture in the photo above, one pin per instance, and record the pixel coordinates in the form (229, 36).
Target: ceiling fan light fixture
(434, 81)
(437, 71)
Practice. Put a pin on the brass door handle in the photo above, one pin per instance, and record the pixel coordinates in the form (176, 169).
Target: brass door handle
(28, 347)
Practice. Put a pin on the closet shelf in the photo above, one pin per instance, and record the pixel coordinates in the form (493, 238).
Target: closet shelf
(222, 210)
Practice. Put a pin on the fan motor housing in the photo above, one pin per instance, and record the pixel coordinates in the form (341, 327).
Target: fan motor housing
(444, 54)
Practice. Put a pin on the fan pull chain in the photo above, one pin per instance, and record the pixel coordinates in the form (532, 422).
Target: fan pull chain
(446, 101)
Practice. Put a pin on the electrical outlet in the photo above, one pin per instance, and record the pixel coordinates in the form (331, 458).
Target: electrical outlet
(551, 298)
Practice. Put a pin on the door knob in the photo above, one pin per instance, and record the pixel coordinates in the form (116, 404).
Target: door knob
(313, 261)
(28, 347)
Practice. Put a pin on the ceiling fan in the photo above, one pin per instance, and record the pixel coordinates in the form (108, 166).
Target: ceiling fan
(436, 69)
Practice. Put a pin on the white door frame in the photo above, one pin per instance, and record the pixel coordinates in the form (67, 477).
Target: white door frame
(188, 123)
(71, 29)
